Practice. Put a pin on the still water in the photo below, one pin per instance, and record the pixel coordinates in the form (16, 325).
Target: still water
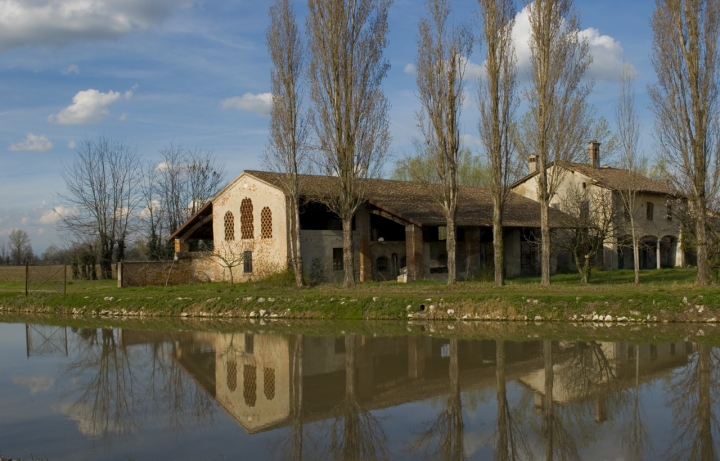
(123, 394)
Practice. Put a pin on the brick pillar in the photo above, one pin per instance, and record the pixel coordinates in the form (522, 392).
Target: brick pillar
(181, 246)
(362, 222)
(414, 252)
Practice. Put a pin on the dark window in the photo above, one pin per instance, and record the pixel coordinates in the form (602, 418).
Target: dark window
(649, 211)
(442, 260)
(340, 345)
(669, 212)
(337, 259)
(382, 264)
(247, 262)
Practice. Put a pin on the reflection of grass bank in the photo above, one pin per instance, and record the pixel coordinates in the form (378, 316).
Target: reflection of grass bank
(666, 294)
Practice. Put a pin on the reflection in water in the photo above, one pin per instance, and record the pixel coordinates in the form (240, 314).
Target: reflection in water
(349, 397)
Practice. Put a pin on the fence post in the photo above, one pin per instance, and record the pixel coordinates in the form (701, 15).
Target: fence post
(27, 276)
(65, 279)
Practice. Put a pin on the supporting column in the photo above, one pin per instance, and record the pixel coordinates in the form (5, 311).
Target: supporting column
(414, 252)
(362, 221)
(657, 254)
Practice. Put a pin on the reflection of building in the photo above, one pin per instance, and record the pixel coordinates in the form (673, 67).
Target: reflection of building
(266, 381)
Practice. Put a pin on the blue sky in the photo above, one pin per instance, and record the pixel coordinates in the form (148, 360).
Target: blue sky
(196, 72)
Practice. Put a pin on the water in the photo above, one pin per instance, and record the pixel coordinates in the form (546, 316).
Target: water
(135, 394)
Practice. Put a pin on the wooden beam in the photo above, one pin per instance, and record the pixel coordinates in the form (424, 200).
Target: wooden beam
(197, 226)
(387, 215)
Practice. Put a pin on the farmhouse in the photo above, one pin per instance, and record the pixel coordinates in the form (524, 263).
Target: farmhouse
(399, 232)
(658, 228)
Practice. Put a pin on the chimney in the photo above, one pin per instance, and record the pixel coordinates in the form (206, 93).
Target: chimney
(532, 163)
(594, 151)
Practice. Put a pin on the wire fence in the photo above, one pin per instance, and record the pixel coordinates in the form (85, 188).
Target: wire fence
(35, 278)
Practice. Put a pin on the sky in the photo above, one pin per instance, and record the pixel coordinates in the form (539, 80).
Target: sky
(196, 73)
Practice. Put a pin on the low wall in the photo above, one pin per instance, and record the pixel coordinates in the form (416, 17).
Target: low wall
(157, 273)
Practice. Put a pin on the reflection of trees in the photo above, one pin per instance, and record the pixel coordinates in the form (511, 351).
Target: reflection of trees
(121, 387)
(633, 433)
(292, 447)
(444, 438)
(355, 432)
(510, 443)
(694, 389)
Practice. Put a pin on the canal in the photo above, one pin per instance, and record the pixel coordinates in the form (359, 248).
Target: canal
(251, 392)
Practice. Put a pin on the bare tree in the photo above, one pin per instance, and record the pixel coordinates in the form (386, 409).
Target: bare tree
(287, 150)
(559, 57)
(230, 255)
(19, 247)
(685, 104)
(349, 118)
(628, 126)
(472, 169)
(498, 100)
(102, 190)
(4, 254)
(440, 63)
(592, 214)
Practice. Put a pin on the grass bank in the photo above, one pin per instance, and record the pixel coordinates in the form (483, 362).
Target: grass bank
(667, 295)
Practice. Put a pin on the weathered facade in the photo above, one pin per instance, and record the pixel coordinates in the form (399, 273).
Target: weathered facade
(658, 229)
(398, 233)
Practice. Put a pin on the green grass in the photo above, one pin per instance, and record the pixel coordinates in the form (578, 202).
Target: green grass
(661, 294)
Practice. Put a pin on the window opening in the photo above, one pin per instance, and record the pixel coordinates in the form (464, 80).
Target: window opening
(269, 383)
(337, 259)
(229, 227)
(649, 211)
(231, 367)
(266, 223)
(247, 228)
(247, 262)
(249, 343)
(250, 385)
(382, 264)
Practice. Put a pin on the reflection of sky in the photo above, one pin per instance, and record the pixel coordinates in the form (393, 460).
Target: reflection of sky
(40, 416)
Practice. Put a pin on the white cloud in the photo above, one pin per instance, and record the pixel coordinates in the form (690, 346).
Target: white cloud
(33, 143)
(36, 384)
(410, 68)
(88, 106)
(71, 144)
(258, 103)
(468, 140)
(473, 71)
(62, 22)
(122, 118)
(162, 166)
(54, 215)
(607, 52)
(71, 69)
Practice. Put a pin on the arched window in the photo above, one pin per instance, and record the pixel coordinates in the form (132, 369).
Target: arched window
(250, 384)
(229, 227)
(231, 367)
(382, 264)
(269, 383)
(247, 229)
(266, 223)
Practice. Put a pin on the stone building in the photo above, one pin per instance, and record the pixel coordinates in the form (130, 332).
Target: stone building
(658, 228)
(399, 230)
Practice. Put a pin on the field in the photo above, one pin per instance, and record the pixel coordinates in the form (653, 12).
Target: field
(668, 294)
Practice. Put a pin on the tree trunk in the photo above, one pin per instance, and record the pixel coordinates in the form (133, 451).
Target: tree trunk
(498, 245)
(348, 253)
(545, 243)
(450, 245)
(636, 252)
(703, 269)
(548, 403)
(295, 245)
(502, 445)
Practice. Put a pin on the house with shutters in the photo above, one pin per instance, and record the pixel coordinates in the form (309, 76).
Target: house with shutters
(398, 232)
(658, 227)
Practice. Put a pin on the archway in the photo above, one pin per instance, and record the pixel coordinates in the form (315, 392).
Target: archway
(648, 252)
(668, 251)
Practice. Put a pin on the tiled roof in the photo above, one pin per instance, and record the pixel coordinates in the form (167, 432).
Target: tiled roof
(414, 203)
(615, 179)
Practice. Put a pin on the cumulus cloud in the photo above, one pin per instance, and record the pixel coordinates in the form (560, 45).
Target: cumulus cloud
(57, 213)
(122, 118)
(473, 71)
(410, 68)
(468, 140)
(36, 384)
(71, 69)
(72, 144)
(607, 52)
(258, 103)
(63, 22)
(88, 106)
(32, 143)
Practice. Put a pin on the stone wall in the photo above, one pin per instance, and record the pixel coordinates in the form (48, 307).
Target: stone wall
(156, 273)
